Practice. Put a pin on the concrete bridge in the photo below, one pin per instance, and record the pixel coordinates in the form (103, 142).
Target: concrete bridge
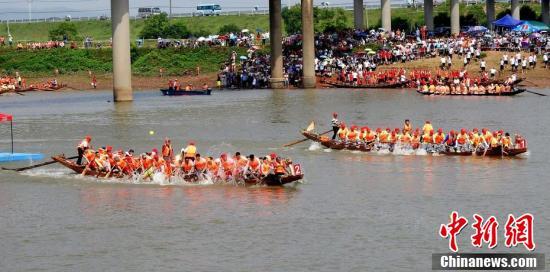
(122, 76)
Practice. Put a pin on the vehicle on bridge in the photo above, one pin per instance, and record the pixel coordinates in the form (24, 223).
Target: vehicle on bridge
(207, 10)
(148, 12)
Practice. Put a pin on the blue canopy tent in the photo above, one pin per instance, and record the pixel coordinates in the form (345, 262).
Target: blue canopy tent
(530, 27)
(506, 21)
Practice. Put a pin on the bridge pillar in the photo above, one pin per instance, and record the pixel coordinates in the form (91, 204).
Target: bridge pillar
(545, 10)
(308, 45)
(358, 11)
(386, 14)
(429, 14)
(515, 9)
(490, 7)
(122, 70)
(275, 40)
(455, 17)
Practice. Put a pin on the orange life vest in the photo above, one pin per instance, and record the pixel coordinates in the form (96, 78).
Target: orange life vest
(254, 164)
(352, 135)
(462, 138)
(166, 150)
(439, 138)
(200, 164)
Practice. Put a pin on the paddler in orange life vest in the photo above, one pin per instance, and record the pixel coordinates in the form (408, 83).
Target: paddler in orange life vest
(228, 165)
(240, 161)
(495, 141)
(265, 167)
(82, 147)
(342, 132)
(353, 134)
(370, 135)
(187, 166)
(405, 139)
(407, 127)
(252, 166)
(190, 151)
(462, 140)
(415, 141)
(213, 166)
(439, 137)
(167, 150)
(200, 164)
(384, 136)
(279, 167)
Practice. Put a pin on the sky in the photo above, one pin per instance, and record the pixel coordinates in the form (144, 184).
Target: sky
(19, 9)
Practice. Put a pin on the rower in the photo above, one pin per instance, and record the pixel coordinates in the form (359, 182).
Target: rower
(427, 127)
(200, 164)
(167, 150)
(187, 166)
(506, 141)
(353, 134)
(335, 125)
(190, 151)
(462, 140)
(407, 126)
(520, 142)
(342, 132)
(265, 167)
(212, 166)
(253, 166)
(279, 167)
(228, 165)
(439, 137)
(82, 147)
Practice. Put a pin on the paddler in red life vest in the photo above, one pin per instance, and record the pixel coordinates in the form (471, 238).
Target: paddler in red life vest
(167, 150)
(190, 151)
(82, 147)
(520, 141)
(370, 136)
(342, 132)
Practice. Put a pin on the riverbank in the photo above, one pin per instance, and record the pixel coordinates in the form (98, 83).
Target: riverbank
(535, 78)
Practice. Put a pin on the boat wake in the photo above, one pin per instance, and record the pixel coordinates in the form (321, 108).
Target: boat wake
(314, 146)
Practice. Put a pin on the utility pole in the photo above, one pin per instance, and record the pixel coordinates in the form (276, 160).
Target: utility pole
(170, 14)
(29, 3)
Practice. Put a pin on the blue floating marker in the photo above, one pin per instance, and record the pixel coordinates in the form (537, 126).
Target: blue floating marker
(12, 157)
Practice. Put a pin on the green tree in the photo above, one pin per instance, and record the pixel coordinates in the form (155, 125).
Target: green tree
(62, 31)
(177, 30)
(503, 13)
(154, 26)
(442, 19)
(400, 23)
(293, 19)
(527, 13)
(229, 28)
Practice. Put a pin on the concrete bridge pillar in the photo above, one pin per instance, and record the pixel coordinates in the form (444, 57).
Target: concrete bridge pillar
(490, 7)
(545, 10)
(515, 9)
(275, 40)
(386, 14)
(358, 12)
(455, 17)
(429, 14)
(122, 70)
(308, 45)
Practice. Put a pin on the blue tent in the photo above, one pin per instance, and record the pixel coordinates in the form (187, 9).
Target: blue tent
(531, 26)
(506, 21)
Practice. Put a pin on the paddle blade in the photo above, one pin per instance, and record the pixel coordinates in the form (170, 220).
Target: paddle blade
(311, 126)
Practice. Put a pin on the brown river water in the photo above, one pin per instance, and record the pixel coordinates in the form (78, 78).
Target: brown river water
(353, 211)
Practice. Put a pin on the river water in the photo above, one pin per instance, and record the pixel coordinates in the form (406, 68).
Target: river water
(353, 212)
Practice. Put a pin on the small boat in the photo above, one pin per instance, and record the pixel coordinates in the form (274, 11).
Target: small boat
(511, 93)
(500, 152)
(269, 180)
(50, 89)
(383, 85)
(173, 92)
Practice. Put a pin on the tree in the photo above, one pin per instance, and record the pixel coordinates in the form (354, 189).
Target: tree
(229, 28)
(154, 26)
(159, 26)
(64, 30)
(527, 13)
(442, 19)
(503, 13)
(293, 19)
(400, 23)
(324, 19)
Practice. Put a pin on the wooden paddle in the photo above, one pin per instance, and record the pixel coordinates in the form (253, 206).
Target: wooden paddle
(35, 166)
(303, 140)
(535, 86)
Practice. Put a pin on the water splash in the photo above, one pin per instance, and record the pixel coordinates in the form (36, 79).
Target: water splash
(314, 146)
